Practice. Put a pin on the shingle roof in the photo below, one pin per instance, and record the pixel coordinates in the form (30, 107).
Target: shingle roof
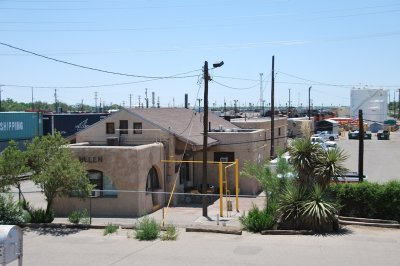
(185, 124)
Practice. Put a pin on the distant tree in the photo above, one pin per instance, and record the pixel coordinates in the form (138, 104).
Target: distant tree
(12, 167)
(55, 170)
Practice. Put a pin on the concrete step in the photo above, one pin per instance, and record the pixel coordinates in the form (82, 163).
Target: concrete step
(367, 220)
(384, 225)
(214, 229)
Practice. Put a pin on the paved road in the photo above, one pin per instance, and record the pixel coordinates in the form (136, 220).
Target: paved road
(357, 246)
(381, 157)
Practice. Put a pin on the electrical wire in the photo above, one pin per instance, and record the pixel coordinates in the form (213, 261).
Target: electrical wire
(95, 69)
(90, 86)
(233, 88)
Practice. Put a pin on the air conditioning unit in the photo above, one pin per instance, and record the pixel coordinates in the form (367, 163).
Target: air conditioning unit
(95, 193)
(113, 141)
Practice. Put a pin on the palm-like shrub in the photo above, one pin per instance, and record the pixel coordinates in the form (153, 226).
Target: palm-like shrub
(315, 165)
(304, 155)
(330, 166)
(318, 211)
(290, 205)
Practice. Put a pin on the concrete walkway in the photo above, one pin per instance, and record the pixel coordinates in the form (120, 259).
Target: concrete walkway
(189, 215)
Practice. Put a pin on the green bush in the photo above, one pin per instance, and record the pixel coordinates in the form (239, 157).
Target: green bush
(147, 229)
(258, 220)
(76, 217)
(85, 219)
(171, 233)
(10, 211)
(37, 215)
(40, 216)
(368, 200)
(110, 229)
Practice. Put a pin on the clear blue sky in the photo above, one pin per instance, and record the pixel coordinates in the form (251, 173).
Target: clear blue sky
(315, 43)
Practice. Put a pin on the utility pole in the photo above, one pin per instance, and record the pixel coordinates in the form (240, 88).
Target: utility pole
(360, 146)
(55, 100)
(95, 101)
(398, 114)
(158, 102)
(130, 101)
(309, 103)
(272, 152)
(224, 107)
(205, 136)
(261, 89)
(199, 102)
(289, 105)
(235, 106)
(82, 106)
(139, 101)
(33, 107)
(0, 96)
(153, 99)
(146, 99)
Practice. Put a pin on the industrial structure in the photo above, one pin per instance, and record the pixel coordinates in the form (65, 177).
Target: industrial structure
(373, 103)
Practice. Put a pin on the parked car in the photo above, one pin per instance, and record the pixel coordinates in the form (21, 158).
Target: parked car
(354, 135)
(327, 136)
(383, 135)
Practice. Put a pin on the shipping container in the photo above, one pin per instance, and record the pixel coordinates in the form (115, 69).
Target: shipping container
(20, 125)
(69, 124)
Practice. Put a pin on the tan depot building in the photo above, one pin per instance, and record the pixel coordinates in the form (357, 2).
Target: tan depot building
(125, 155)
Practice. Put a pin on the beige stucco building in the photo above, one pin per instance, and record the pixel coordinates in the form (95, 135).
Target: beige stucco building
(125, 157)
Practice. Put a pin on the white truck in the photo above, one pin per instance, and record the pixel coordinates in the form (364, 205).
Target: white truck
(327, 136)
(326, 145)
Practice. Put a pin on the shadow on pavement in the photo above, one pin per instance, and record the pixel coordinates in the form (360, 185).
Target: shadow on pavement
(342, 232)
(54, 231)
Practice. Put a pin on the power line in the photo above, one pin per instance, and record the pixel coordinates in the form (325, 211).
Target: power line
(313, 82)
(233, 88)
(95, 69)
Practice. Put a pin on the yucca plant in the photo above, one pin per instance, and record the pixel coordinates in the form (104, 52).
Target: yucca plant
(304, 155)
(330, 167)
(290, 205)
(318, 211)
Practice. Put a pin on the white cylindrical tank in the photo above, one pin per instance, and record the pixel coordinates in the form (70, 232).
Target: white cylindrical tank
(373, 103)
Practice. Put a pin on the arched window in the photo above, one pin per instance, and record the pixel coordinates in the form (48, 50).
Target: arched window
(103, 185)
(152, 180)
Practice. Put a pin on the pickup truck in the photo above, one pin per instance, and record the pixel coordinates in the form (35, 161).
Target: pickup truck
(327, 136)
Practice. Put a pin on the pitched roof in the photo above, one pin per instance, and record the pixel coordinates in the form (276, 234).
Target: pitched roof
(184, 123)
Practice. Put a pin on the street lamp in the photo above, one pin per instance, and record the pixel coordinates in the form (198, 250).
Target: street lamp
(205, 134)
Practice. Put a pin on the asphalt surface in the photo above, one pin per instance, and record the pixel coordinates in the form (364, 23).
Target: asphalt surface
(355, 246)
(381, 157)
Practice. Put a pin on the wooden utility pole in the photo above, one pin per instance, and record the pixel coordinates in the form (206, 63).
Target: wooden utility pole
(360, 146)
(205, 136)
(309, 103)
(272, 153)
(398, 114)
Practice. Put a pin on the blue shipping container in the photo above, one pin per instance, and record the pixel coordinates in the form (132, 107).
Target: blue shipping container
(20, 125)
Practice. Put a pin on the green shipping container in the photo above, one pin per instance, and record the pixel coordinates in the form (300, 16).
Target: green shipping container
(20, 125)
